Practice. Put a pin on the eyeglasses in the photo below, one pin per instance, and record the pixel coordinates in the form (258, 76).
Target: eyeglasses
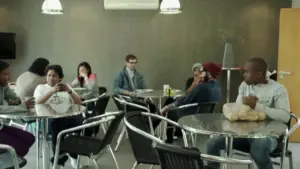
(133, 62)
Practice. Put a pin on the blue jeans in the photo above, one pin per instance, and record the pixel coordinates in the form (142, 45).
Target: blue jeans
(259, 149)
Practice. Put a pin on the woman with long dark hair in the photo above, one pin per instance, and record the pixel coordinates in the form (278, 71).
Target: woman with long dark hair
(29, 80)
(86, 79)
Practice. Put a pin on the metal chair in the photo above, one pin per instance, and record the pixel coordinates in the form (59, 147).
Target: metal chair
(282, 149)
(9, 158)
(88, 146)
(168, 156)
(194, 108)
(99, 109)
(127, 104)
(102, 90)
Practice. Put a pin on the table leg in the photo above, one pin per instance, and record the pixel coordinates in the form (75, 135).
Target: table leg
(37, 143)
(228, 86)
(45, 147)
(228, 150)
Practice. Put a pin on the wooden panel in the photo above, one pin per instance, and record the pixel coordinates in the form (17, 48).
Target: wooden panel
(288, 58)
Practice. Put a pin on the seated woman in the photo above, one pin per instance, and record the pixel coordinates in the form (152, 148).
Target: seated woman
(28, 81)
(197, 78)
(86, 79)
(46, 93)
(19, 139)
(207, 91)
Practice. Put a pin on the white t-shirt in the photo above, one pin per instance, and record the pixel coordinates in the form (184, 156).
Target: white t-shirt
(57, 98)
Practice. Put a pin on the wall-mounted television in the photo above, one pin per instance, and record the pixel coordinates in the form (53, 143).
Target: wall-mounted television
(7, 45)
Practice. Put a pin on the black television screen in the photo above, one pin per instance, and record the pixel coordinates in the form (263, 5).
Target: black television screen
(7, 45)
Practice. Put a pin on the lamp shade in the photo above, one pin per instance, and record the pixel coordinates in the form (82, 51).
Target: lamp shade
(170, 7)
(52, 7)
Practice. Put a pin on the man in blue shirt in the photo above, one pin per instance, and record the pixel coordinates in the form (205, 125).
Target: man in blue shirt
(207, 91)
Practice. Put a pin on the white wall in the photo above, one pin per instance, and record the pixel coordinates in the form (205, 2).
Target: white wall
(295, 3)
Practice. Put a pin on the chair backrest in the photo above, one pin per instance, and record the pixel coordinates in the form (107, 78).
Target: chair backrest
(175, 157)
(101, 105)
(112, 129)
(207, 107)
(142, 148)
(102, 90)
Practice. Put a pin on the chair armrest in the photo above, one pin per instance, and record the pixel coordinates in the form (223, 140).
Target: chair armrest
(187, 106)
(13, 154)
(102, 116)
(94, 99)
(225, 160)
(122, 101)
(295, 126)
(162, 118)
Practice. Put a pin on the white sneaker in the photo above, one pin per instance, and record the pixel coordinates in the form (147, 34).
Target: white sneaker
(73, 162)
(59, 167)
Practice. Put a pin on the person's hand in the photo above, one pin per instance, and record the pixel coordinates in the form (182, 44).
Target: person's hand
(83, 74)
(67, 88)
(56, 88)
(14, 102)
(132, 94)
(250, 101)
(164, 110)
(29, 103)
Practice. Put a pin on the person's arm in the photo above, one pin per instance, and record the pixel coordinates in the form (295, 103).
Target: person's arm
(241, 93)
(40, 98)
(281, 110)
(75, 97)
(91, 82)
(75, 82)
(143, 82)
(118, 82)
(200, 93)
(11, 97)
(190, 85)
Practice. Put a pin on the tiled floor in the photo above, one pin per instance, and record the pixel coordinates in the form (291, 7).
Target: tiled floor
(125, 157)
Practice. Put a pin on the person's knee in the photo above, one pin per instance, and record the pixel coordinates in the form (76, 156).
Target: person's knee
(260, 148)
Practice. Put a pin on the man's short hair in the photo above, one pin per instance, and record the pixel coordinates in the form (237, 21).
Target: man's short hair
(259, 64)
(130, 57)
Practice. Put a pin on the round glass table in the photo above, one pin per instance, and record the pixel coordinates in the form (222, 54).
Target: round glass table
(217, 125)
(41, 113)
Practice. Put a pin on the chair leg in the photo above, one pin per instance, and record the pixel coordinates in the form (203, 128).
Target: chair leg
(120, 138)
(78, 162)
(95, 164)
(135, 165)
(281, 160)
(103, 128)
(251, 166)
(291, 162)
(113, 156)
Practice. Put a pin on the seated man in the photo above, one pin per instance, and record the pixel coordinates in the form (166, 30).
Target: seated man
(128, 79)
(264, 96)
(207, 91)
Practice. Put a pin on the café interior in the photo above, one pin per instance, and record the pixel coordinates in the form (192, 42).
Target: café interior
(78, 88)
